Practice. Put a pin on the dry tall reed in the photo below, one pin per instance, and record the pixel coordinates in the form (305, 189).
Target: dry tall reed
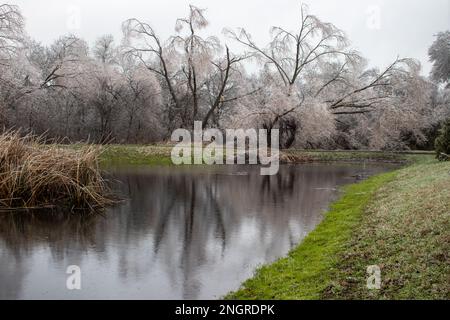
(36, 175)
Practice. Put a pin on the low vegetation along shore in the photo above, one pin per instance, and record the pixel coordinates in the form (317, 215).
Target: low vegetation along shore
(117, 155)
(399, 221)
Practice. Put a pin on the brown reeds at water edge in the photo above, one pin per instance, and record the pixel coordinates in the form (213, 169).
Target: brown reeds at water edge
(34, 175)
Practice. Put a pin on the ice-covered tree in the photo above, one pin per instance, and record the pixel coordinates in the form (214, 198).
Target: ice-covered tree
(439, 54)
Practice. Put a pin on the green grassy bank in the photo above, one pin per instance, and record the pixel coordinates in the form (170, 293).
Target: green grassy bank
(160, 155)
(117, 155)
(398, 221)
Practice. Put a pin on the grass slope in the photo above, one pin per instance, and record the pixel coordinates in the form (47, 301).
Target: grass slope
(406, 232)
(304, 274)
(398, 220)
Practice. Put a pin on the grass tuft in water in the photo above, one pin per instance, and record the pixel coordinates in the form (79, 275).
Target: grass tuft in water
(34, 175)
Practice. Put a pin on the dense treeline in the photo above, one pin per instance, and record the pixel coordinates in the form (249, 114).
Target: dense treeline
(311, 85)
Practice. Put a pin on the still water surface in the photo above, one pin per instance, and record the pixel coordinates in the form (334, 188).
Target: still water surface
(182, 233)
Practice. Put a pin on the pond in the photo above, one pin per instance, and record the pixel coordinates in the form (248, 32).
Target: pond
(181, 233)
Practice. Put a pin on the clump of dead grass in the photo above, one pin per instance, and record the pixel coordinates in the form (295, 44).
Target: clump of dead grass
(38, 175)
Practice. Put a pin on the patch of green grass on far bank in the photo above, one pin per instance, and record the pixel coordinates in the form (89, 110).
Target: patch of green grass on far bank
(117, 155)
(398, 221)
(135, 155)
(362, 155)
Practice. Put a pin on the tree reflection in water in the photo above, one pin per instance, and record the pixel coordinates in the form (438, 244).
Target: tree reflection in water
(181, 234)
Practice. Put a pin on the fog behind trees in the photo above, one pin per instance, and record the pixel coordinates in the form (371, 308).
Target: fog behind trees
(310, 84)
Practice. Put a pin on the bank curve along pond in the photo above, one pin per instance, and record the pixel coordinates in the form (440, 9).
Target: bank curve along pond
(180, 233)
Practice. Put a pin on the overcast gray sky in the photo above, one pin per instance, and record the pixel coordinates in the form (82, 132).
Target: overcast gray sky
(379, 29)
